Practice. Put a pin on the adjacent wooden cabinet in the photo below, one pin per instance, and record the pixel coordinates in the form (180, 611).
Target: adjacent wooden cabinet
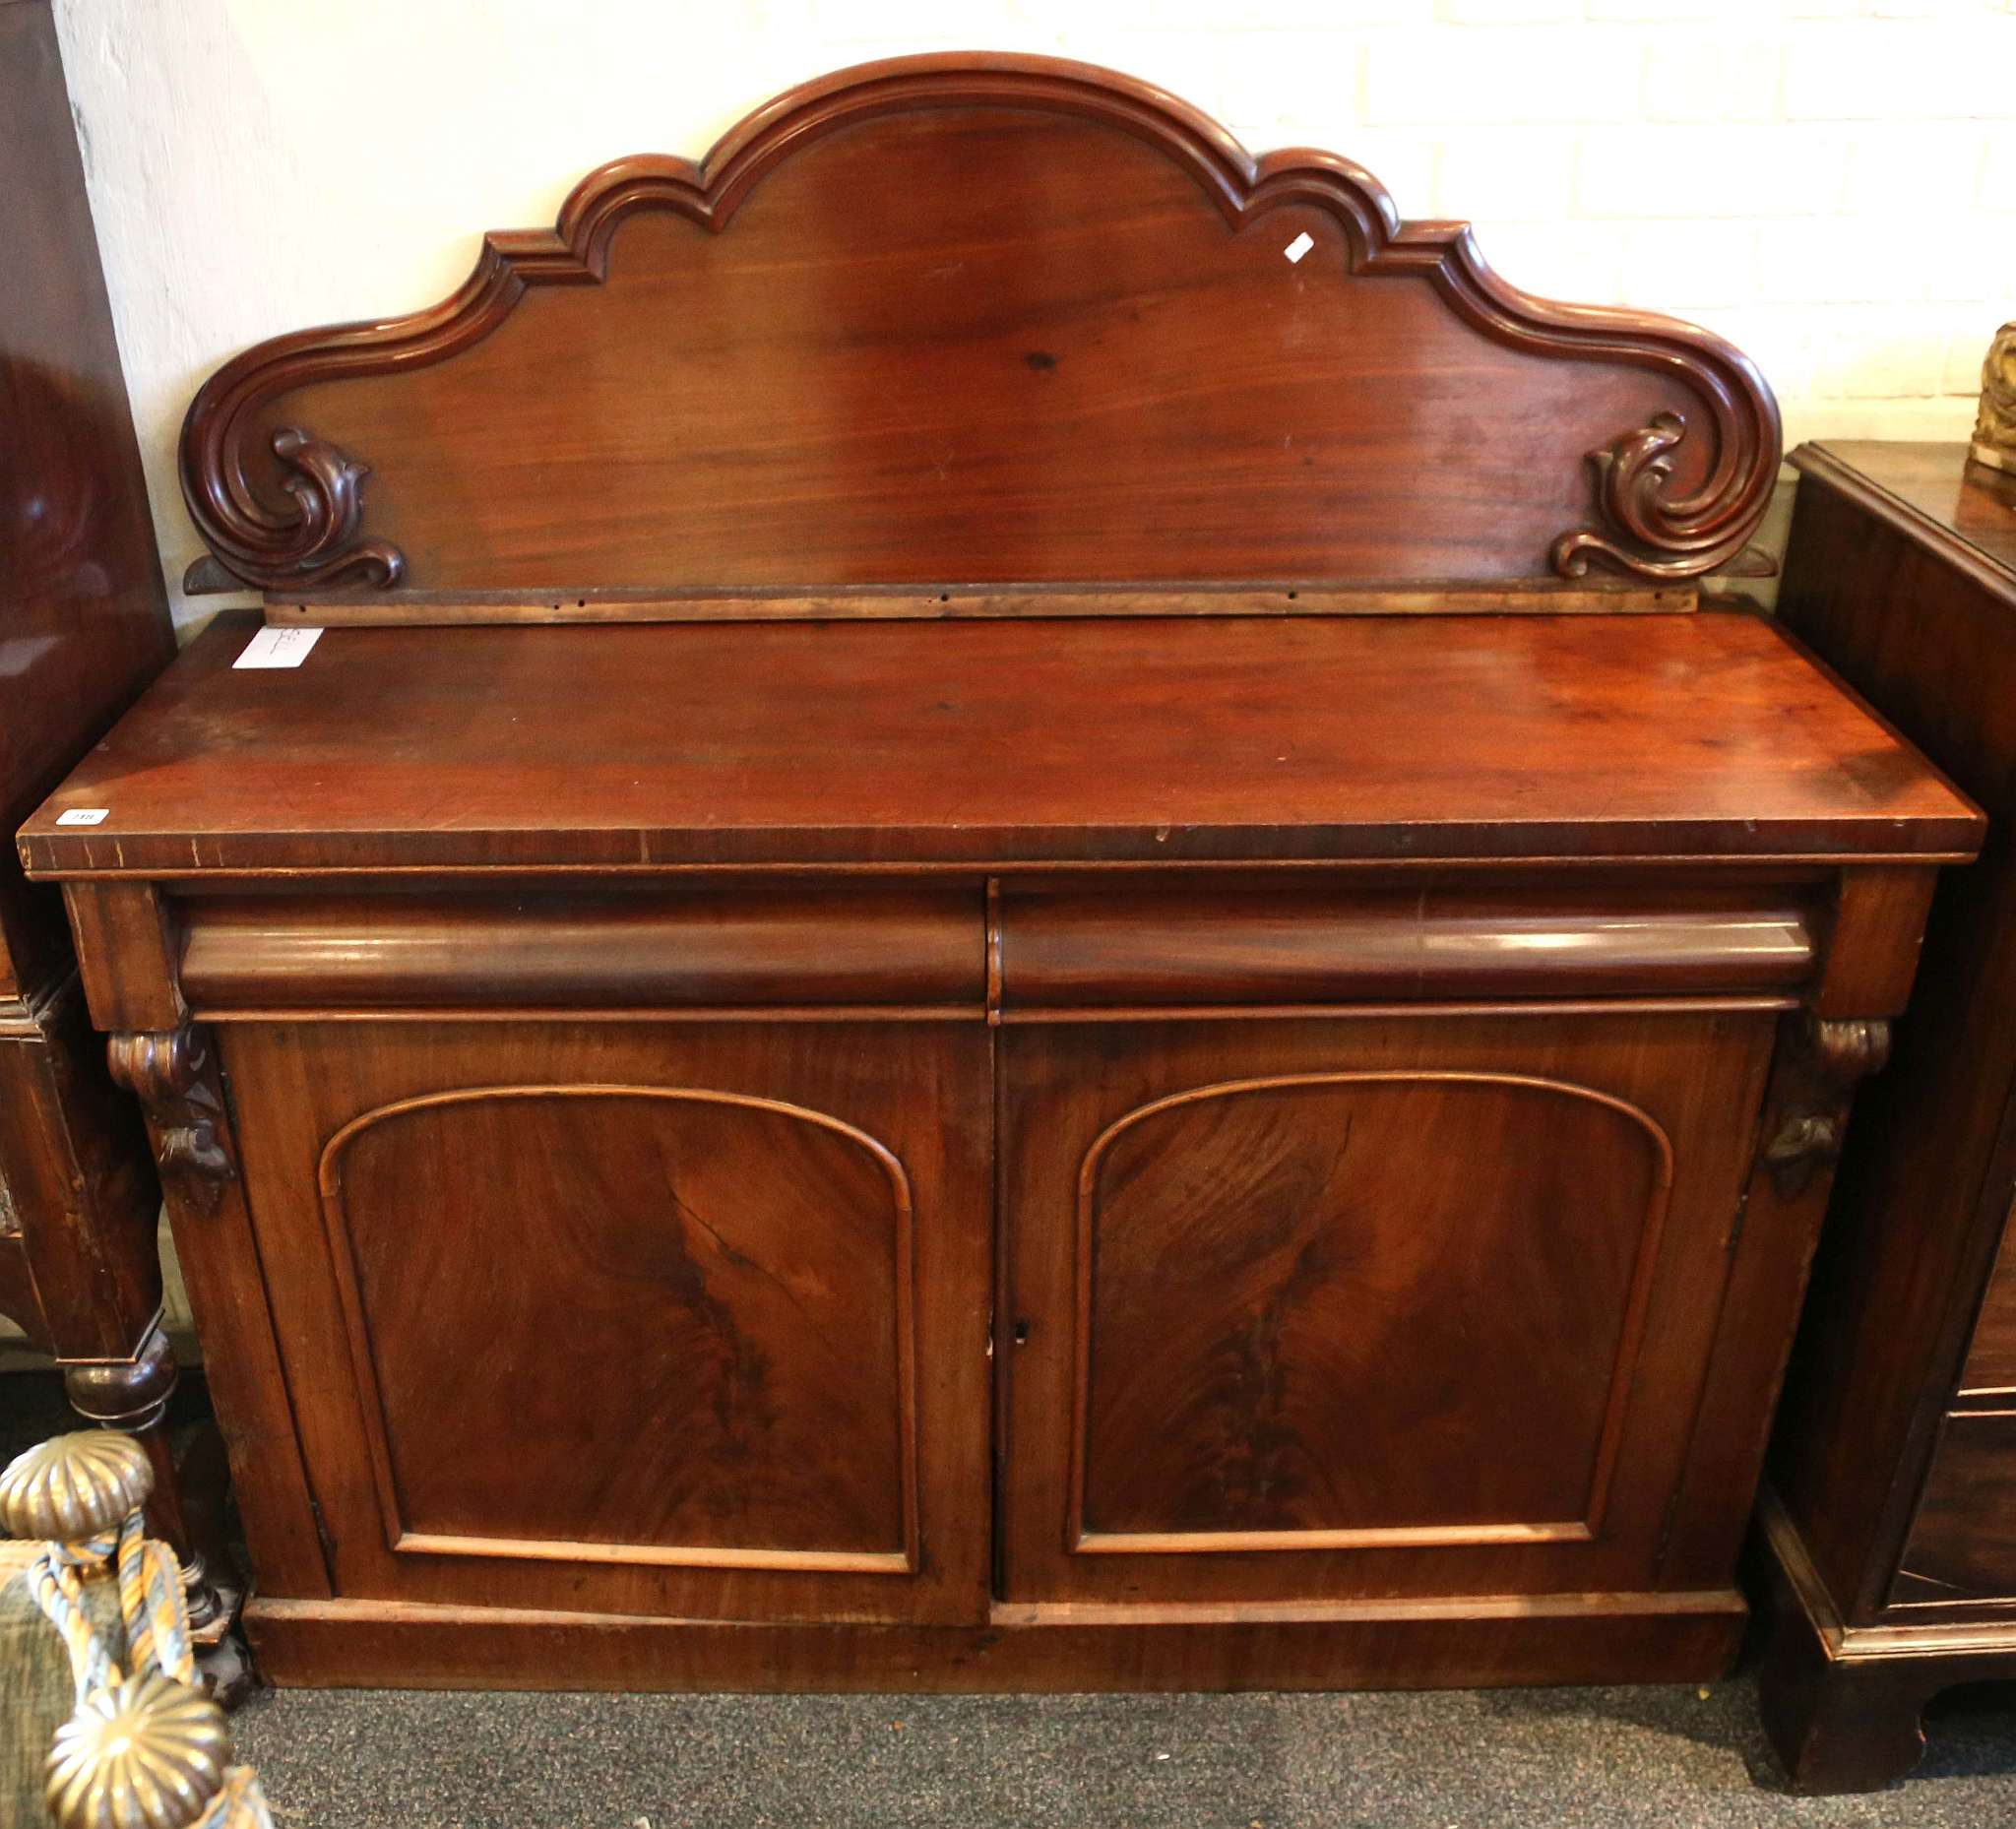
(83, 626)
(1016, 931)
(1891, 1515)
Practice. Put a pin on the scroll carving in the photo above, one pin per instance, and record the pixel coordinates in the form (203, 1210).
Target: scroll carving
(1994, 431)
(319, 544)
(1808, 1120)
(169, 1072)
(1645, 529)
(1675, 497)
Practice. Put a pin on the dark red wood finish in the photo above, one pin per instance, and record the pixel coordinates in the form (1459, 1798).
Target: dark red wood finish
(978, 320)
(1894, 1470)
(1151, 1149)
(1143, 740)
(84, 625)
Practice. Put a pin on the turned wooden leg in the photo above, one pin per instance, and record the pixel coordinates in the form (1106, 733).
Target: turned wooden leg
(133, 1395)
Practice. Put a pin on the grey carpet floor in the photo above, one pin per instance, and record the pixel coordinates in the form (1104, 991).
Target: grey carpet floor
(1487, 1759)
(1667, 1758)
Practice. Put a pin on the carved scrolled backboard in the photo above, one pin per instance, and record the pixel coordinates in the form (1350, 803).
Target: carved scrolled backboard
(927, 331)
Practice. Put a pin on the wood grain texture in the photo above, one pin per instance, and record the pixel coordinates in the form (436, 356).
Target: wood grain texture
(84, 625)
(726, 1282)
(406, 610)
(1890, 1527)
(1333, 942)
(175, 1075)
(1843, 1707)
(1256, 1256)
(78, 1196)
(969, 319)
(748, 945)
(84, 622)
(1992, 1354)
(980, 743)
(678, 1084)
(1224, 1336)
(749, 1270)
(1879, 590)
(1962, 1543)
(1519, 1639)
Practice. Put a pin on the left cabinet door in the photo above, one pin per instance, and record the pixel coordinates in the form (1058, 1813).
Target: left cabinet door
(644, 1317)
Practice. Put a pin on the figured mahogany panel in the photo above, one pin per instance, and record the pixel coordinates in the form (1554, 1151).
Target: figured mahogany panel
(1257, 1258)
(680, 1320)
(976, 319)
(1320, 1309)
(1151, 740)
(744, 1269)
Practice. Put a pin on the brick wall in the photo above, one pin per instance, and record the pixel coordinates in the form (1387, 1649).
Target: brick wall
(1831, 183)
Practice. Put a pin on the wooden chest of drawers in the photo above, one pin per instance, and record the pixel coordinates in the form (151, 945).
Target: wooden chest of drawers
(1892, 1513)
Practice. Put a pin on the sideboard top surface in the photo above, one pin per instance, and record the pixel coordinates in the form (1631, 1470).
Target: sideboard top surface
(1156, 739)
(1932, 490)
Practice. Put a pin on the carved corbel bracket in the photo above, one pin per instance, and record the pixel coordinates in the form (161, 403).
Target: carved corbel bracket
(1648, 530)
(169, 1072)
(1809, 1121)
(318, 544)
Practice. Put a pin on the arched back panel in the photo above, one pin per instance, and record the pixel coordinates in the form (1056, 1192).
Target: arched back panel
(978, 321)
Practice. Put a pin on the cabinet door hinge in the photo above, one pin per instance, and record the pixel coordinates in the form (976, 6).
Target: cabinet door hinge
(1736, 1225)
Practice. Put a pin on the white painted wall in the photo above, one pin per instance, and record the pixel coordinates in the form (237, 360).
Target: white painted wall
(1831, 183)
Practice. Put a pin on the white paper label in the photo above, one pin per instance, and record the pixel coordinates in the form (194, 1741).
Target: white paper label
(1299, 246)
(83, 816)
(278, 648)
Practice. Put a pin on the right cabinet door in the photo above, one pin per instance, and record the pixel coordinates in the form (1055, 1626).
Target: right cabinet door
(1350, 1309)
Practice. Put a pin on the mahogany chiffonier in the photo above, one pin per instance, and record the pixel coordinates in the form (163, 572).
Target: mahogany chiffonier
(1009, 934)
(84, 625)
(1891, 1509)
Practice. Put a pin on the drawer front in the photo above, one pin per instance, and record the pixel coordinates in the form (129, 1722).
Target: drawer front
(737, 946)
(1342, 1309)
(1335, 942)
(1991, 1360)
(1963, 1541)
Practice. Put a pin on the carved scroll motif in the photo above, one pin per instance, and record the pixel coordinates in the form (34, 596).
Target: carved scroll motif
(1805, 1131)
(1639, 526)
(169, 1072)
(1646, 530)
(319, 544)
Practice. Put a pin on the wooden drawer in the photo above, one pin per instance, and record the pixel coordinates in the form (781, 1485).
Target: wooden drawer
(739, 946)
(1992, 1360)
(1324, 941)
(1963, 1541)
